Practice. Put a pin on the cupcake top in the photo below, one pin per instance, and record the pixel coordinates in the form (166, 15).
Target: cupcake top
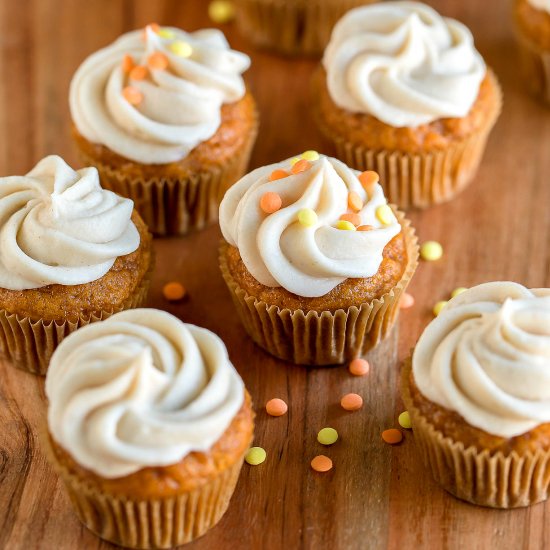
(140, 389)
(402, 63)
(307, 224)
(154, 95)
(487, 357)
(543, 5)
(58, 226)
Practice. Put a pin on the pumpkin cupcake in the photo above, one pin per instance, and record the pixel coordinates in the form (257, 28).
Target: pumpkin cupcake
(165, 117)
(72, 253)
(148, 426)
(315, 258)
(478, 392)
(404, 92)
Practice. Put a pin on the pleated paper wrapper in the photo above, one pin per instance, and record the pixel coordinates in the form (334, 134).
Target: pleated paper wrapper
(535, 63)
(424, 179)
(322, 337)
(495, 480)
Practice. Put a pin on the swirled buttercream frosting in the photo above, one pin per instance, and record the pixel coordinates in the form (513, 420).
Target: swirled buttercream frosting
(153, 96)
(487, 357)
(58, 226)
(402, 63)
(140, 389)
(303, 246)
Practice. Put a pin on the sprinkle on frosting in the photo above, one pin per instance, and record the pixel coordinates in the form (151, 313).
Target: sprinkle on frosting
(270, 202)
(301, 166)
(132, 95)
(344, 225)
(278, 175)
(307, 217)
(181, 48)
(351, 217)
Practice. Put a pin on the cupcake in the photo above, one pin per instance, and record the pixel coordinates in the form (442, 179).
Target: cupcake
(291, 27)
(72, 253)
(315, 259)
(404, 92)
(148, 425)
(165, 117)
(532, 23)
(478, 392)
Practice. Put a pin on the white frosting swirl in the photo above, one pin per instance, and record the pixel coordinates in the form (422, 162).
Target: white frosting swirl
(308, 261)
(543, 5)
(180, 106)
(487, 357)
(140, 389)
(403, 63)
(58, 226)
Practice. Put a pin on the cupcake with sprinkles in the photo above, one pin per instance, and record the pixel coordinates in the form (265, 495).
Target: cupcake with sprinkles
(315, 259)
(166, 118)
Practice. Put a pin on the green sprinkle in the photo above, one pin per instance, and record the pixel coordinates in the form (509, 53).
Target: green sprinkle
(255, 456)
(327, 436)
(405, 420)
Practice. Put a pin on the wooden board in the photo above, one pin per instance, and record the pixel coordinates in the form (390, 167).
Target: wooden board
(376, 496)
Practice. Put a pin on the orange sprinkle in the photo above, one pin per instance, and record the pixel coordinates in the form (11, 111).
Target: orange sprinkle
(392, 436)
(355, 202)
(407, 301)
(139, 72)
(278, 175)
(173, 291)
(155, 27)
(158, 61)
(301, 166)
(351, 402)
(132, 95)
(368, 179)
(127, 63)
(276, 407)
(270, 202)
(351, 217)
(359, 367)
(321, 463)
(365, 228)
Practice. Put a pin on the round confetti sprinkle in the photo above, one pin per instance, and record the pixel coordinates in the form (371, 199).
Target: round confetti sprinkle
(301, 166)
(405, 420)
(166, 33)
(294, 161)
(458, 291)
(321, 463)
(351, 217)
(439, 306)
(157, 60)
(365, 228)
(407, 301)
(359, 367)
(310, 155)
(139, 72)
(368, 180)
(431, 251)
(221, 11)
(173, 291)
(270, 202)
(327, 436)
(276, 407)
(344, 225)
(351, 402)
(181, 49)
(154, 27)
(132, 95)
(392, 436)
(355, 202)
(307, 217)
(255, 456)
(127, 63)
(384, 214)
(278, 175)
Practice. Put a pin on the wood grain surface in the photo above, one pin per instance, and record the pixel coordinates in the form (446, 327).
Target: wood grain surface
(376, 496)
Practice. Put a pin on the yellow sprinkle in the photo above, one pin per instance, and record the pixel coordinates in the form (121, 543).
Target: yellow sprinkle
(458, 291)
(166, 33)
(431, 251)
(404, 420)
(307, 217)
(310, 155)
(294, 161)
(255, 456)
(385, 214)
(439, 306)
(327, 436)
(183, 49)
(221, 11)
(345, 225)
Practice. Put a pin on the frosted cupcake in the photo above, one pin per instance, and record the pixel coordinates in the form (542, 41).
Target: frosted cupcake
(315, 259)
(404, 92)
(165, 117)
(148, 424)
(479, 395)
(72, 253)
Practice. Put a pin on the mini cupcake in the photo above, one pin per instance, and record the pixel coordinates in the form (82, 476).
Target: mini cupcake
(291, 27)
(165, 117)
(478, 394)
(404, 92)
(315, 259)
(72, 253)
(148, 426)
(532, 22)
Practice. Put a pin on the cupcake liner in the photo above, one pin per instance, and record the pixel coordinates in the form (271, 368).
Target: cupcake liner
(29, 343)
(175, 206)
(495, 480)
(536, 67)
(420, 179)
(291, 27)
(321, 337)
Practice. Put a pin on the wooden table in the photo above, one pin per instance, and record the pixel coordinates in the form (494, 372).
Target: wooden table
(377, 496)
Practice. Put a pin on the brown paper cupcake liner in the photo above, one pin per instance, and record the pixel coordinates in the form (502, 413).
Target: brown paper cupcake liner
(321, 337)
(495, 480)
(536, 67)
(29, 343)
(172, 205)
(420, 179)
(291, 27)
(155, 523)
